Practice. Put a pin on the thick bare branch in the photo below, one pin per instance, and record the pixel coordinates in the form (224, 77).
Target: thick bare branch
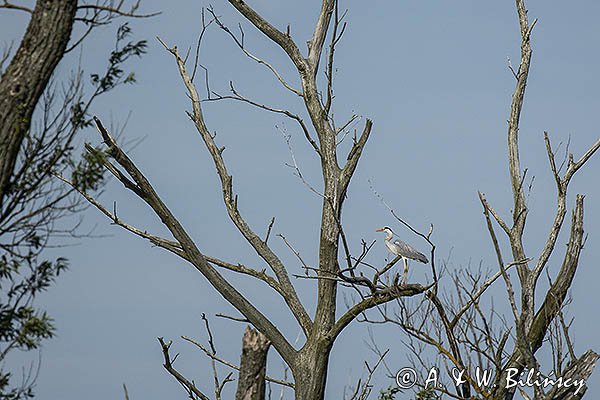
(354, 156)
(253, 365)
(230, 201)
(315, 46)
(147, 193)
(519, 205)
(579, 370)
(392, 293)
(282, 39)
(557, 293)
(551, 306)
(173, 246)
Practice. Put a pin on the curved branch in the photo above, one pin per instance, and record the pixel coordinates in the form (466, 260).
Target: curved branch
(283, 40)
(147, 193)
(240, 44)
(516, 179)
(392, 293)
(230, 200)
(237, 96)
(557, 293)
(172, 246)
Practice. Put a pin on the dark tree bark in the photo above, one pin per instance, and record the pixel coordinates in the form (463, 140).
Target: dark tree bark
(31, 200)
(310, 370)
(253, 366)
(28, 74)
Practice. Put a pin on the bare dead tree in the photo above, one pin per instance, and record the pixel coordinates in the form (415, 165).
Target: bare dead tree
(469, 333)
(252, 368)
(253, 364)
(309, 363)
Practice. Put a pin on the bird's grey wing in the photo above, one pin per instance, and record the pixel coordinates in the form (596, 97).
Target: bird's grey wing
(406, 250)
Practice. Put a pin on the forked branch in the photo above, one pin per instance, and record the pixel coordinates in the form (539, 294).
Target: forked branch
(230, 200)
(142, 187)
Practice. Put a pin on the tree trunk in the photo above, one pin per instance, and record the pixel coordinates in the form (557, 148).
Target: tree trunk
(28, 74)
(310, 371)
(253, 366)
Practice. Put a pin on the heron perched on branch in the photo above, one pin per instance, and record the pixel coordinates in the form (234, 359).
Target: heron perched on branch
(402, 249)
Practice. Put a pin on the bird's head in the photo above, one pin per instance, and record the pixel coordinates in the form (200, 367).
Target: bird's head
(386, 229)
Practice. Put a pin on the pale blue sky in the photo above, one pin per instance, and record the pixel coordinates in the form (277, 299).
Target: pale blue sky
(433, 77)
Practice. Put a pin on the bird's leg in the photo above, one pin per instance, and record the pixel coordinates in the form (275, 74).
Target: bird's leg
(405, 271)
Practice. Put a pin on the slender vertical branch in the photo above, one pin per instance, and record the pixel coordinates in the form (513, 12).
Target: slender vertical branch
(315, 46)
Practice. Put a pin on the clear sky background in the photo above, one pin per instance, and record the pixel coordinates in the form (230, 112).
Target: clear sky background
(432, 75)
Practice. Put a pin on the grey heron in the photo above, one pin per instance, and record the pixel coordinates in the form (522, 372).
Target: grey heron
(402, 249)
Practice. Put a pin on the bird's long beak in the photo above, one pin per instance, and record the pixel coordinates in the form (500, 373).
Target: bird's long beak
(379, 230)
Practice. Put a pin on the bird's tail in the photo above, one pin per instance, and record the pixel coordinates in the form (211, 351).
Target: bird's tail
(421, 258)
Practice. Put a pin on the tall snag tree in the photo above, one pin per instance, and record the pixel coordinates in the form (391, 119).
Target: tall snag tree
(309, 363)
(469, 331)
(337, 265)
(40, 117)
